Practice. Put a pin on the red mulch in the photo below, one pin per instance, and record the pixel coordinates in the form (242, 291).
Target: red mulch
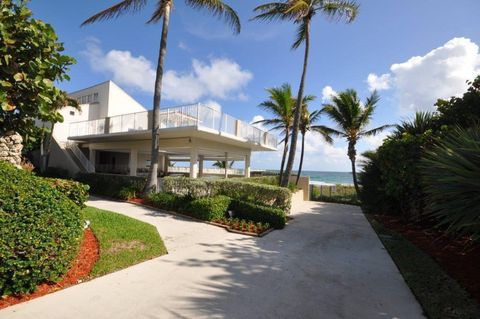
(81, 268)
(459, 258)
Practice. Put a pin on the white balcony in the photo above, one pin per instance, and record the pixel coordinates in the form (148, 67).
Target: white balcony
(196, 116)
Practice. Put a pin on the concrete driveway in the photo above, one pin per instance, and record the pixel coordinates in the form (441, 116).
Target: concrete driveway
(327, 263)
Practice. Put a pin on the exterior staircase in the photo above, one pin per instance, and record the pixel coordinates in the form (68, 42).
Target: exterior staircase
(79, 158)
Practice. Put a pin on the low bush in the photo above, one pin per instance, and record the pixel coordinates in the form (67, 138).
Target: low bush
(258, 213)
(74, 190)
(111, 185)
(209, 208)
(40, 231)
(267, 195)
(167, 201)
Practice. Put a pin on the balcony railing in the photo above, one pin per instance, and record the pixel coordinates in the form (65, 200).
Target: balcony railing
(195, 115)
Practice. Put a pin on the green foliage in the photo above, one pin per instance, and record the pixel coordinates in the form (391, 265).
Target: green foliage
(342, 194)
(55, 172)
(112, 185)
(30, 63)
(167, 201)
(268, 195)
(258, 213)
(451, 180)
(124, 241)
(77, 192)
(128, 193)
(40, 231)
(209, 208)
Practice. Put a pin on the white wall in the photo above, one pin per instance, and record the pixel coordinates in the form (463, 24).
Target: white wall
(119, 102)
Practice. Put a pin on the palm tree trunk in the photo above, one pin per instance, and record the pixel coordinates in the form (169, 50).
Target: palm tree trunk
(301, 159)
(352, 155)
(285, 152)
(152, 182)
(298, 110)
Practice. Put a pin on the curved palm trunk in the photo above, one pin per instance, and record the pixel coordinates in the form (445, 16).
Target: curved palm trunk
(352, 153)
(301, 159)
(285, 152)
(298, 111)
(152, 182)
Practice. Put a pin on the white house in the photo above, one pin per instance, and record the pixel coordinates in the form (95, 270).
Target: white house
(112, 134)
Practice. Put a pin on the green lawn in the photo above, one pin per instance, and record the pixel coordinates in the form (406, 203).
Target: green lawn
(124, 241)
(440, 296)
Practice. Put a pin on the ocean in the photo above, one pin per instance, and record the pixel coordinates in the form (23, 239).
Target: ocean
(319, 177)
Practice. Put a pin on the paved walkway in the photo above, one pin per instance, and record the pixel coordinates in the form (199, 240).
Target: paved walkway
(327, 263)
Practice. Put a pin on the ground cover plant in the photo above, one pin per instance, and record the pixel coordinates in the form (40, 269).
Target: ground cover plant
(243, 225)
(124, 241)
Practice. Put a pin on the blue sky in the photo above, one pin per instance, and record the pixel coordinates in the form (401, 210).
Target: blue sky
(414, 52)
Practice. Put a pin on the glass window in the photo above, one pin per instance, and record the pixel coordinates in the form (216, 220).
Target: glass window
(84, 99)
(89, 98)
(95, 97)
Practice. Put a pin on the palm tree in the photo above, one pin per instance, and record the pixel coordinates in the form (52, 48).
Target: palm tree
(352, 119)
(422, 122)
(306, 125)
(301, 13)
(222, 164)
(280, 103)
(162, 12)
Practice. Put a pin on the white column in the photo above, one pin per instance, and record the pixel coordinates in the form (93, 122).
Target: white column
(133, 162)
(193, 162)
(246, 170)
(92, 157)
(226, 165)
(200, 165)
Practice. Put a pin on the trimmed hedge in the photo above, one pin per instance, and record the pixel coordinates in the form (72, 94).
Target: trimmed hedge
(209, 208)
(40, 231)
(112, 185)
(74, 190)
(257, 213)
(266, 195)
(167, 201)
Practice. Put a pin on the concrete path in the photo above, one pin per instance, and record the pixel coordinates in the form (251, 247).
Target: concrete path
(327, 263)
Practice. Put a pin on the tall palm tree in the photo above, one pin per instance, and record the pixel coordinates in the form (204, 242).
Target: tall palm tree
(306, 125)
(280, 103)
(162, 13)
(301, 13)
(422, 122)
(352, 119)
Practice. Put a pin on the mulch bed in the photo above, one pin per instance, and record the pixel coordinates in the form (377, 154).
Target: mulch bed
(81, 268)
(459, 258)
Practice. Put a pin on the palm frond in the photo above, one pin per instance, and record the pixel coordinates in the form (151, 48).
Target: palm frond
(273, 11)
(326, 132)
(346, 10)
(125, 6)
(220, 9)
(376, 130)
(159, 11)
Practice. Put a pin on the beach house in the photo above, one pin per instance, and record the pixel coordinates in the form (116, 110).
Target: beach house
(111, 133)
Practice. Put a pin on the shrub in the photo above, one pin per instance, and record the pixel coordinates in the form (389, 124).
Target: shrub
(40, 231)
(167, 201)
(209, 208)
(258, 213)
(74, 190)
(55, 172)
(111, 185)
(267, 195)
(451, 177)
(128, 192)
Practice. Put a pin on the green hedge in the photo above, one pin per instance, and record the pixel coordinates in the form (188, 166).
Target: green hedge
(267, 195)
(112, 185)
(209, 208)
(167, 201)
(40, 231)
(74, 190)
(257, 213)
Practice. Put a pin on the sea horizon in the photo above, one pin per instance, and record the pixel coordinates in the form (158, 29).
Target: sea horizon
(323, 177)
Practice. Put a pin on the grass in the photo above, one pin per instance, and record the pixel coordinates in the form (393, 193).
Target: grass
(343, 194)
(440, 296)
(124, 241)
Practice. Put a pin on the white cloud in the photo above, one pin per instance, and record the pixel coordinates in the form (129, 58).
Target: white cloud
(327, 93)
(219, 78)
(257, 118)
(378, 83)
(375, 141)
(182, 45)
(441, 73)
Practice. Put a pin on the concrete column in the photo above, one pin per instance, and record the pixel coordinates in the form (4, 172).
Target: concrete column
(133, 162)
(200, 165)
(226, 165)
(92, 157)
(246, 170)
(193, 162)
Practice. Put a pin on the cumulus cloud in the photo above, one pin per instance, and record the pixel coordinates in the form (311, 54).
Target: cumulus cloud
(441, 73)
(327, 93)
(375, 141)
(219, 78)
(378, 83)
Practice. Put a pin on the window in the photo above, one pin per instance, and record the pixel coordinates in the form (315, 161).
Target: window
(95, 97)
(84, 99)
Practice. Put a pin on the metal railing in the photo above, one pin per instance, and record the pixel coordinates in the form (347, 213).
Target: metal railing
(206, 171)
(194, 115)
(89, 167)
